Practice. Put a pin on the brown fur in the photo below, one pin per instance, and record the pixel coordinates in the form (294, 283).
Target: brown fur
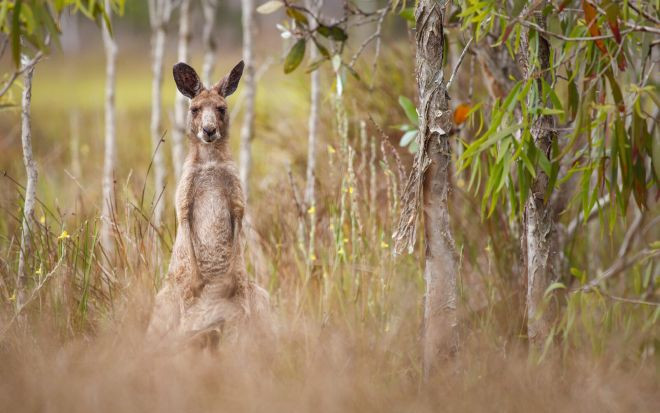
(207, 287)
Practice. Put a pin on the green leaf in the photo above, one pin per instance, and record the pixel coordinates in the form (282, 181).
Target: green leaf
(4, 10)
(407, 138)
(295, 56)
(270, 7)
(15, 34)
(656, 156)
(573, 99)
(332, 32)
(322, 49)
(408, 14)
(409, 109)
(296, 15)
(552, 287)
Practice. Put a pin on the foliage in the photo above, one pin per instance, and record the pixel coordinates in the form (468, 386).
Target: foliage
(607, 109)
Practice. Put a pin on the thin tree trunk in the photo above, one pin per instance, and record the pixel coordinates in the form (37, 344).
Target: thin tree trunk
(249, 88)
(440, 335)
(30, 188)
(160, 14)
(540, 229)
(209, 8)
(313, 120)
(109, 161)
(181, 102)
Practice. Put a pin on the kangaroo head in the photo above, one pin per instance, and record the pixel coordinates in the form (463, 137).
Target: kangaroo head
(209, 119)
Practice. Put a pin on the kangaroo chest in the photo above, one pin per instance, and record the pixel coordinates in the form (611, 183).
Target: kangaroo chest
(212, 220)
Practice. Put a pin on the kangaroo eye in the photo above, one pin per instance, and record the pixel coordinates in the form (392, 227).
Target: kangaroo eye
(194, 111)
(221, 110)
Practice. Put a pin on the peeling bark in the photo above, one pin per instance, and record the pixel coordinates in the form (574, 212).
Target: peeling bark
(440, 335)
(249, 89)
(180, 101)
(109, 159)
(540, 240)
(30, 187)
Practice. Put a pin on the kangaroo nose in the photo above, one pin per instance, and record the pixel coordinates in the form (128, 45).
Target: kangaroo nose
(209, 131)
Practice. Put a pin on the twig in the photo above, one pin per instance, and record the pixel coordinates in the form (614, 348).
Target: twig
(620, 265)
(458, 64)
(27, 66)
(644, 13)
(374, 36)
(628, 300)
(572, 227)
(32, 296)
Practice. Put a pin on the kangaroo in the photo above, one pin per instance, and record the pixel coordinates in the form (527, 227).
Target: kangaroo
(207, 287)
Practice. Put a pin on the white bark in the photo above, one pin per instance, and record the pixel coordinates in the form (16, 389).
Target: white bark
(180, 101)
(30, 187)
(109, 160)
(209, 8)
(249, 89)
(313, 120)
(440, 335)
(159, 14)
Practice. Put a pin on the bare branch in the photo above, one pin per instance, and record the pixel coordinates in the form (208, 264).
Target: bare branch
(27, 66)
(458, 64)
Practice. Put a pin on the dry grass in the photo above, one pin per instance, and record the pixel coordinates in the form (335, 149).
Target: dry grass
(347, 314)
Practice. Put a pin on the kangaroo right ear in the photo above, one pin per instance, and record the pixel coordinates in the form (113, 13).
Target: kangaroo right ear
(186, 80)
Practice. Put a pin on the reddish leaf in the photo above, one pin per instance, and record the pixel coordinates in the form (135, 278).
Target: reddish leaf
(461, 113)
(621, 61)
(563, 5)
(590, 16)
(612, 13)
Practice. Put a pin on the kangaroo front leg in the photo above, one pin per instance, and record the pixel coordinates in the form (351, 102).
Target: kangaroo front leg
(185, 226)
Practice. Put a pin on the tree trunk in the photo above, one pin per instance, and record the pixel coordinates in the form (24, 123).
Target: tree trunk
(180, 101)
(159, 14)
(30, 188)
(209, 8)
(540, 230)
(109, 160)
(440, 335)
(249, 88)
(313, 120)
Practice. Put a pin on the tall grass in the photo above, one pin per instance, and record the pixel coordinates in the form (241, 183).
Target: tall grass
(347, 313)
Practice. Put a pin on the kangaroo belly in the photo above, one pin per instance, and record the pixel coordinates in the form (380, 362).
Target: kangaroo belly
(213, 231)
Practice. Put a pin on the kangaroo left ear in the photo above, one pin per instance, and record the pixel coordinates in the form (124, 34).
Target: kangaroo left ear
(229, 83)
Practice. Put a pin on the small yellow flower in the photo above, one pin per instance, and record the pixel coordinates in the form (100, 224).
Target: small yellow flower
(39, 271)
(345, 240)
(331, 150)
(312, 257)
(341, 251)
(13, 297)
(488, 249)
(42, 220)
(384, 244)
(350, 189)
(311, 210)
(63, 235)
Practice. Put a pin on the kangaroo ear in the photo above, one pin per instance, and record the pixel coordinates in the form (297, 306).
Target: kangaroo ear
(229, 83)
(186, 80)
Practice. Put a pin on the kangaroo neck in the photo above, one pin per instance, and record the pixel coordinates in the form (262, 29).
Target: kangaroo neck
(202, 153)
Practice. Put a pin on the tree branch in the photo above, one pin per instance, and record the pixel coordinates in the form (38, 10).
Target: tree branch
(458, 64)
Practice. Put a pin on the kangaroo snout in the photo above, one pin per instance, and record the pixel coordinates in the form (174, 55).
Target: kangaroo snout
(209, 133)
